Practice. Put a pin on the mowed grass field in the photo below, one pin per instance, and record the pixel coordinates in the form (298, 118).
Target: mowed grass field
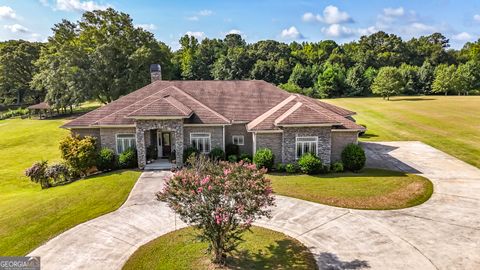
(449, 123)
(29, 215)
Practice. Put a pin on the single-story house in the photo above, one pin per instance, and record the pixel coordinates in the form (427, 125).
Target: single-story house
(254, 114)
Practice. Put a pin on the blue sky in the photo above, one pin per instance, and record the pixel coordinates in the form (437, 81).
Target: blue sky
(304, 20)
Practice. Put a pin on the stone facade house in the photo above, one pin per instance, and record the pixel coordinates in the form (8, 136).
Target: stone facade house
(171, 115)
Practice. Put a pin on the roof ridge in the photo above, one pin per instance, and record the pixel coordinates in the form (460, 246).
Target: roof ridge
(201, 104)
(268, 113)
(161, 90)
(288, 112)
(174, 105)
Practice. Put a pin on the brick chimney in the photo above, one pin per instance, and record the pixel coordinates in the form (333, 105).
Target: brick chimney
(155, 72)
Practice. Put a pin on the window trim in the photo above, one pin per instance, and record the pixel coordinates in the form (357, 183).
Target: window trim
(209, 139)
(238, 136)
(305, 137)
(116, 141)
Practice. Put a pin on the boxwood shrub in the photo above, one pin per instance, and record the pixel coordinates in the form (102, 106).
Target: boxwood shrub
(310, 164)
(107, 160)
(128, 159)
(353, 157)
(292, 168)
(264, 158)
(217, 154)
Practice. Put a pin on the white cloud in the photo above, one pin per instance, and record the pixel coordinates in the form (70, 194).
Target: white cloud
(7, 12)
(476, 17)
(201, 13)
(235, 31)
(147, 26)
(44, 3)
(78, 5)
(394, 12)
(291, 33)
(331, 15)
(463, 36)
(196, 34)
(420, 28)
(205, 12)
(16, 28)
(338, 31)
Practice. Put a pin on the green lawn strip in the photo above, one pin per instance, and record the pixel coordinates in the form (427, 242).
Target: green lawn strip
(369, 189)
(35, 216)
(262, 249)
(30, 216)
(450, 124)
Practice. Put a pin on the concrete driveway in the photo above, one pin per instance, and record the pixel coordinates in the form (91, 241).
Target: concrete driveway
(443, 233)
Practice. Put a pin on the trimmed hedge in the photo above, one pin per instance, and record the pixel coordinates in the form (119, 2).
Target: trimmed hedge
(310, 164)
(353, 157)
(264, 158)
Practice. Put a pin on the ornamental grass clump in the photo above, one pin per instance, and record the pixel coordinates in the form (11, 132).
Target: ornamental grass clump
(220, 199)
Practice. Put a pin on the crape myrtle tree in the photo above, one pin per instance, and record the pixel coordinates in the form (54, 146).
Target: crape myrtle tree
(220, 199)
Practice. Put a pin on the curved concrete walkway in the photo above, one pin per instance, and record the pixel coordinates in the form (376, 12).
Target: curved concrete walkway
(443, 233)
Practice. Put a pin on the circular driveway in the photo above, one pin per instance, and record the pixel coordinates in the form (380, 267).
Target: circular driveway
(443, 233)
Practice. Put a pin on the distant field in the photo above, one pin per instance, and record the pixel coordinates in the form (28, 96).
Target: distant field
(451, 124)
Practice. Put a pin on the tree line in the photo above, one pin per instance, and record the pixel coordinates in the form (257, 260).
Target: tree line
(104, 56)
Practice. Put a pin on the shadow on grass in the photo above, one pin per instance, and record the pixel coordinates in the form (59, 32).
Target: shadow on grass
(285, 254)
(368, 135)
(331, 261)
(412, 99)
(366, 172)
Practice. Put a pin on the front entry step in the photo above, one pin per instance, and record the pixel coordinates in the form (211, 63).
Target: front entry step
(159, 165)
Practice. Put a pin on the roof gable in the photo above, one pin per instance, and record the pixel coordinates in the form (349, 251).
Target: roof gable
(166, 106)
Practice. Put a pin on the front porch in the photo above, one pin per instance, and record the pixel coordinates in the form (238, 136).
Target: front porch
(160, 142)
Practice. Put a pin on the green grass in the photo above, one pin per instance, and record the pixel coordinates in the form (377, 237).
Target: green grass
(262, 249)
(369, 189)
(451, 124)
(29, 215)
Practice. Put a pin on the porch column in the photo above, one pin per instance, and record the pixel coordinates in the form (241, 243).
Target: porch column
(179, 145)
(140, 141)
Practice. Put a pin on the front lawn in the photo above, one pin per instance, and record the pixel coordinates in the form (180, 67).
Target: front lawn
(262, 249)
(449, 123)
(29, 215)
(369, 189)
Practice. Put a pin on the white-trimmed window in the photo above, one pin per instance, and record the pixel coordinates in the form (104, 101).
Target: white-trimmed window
(124, 142)
(201, 141)
(238, 139)
(305, 145)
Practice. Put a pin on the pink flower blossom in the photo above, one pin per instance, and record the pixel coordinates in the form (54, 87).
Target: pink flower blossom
(200, 189)
(209, 187)
(227, 171)
(205, 180)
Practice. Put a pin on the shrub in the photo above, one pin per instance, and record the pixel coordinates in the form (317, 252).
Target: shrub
(37, 174)
(310, 164)
(58, 172)
(220, 199)
(363, 132)
(128, 159)
(217, 154)
(292, 168)
(280, 167)
(232, 149)
(232, 158)
(353, 157)
(246, 158)
(12, 113)
(79, 153)
(188, 152)
(107, 160)
(264, 158)
(337, 167)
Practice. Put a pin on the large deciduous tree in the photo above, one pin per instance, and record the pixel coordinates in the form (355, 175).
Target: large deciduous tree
(389, 82)
(445, 80)
(17, 68)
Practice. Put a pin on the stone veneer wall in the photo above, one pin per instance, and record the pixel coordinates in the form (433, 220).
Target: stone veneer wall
(272, 141)
(109, 139)
(144, 126)
(340, 139)
(240, 129)
(82, 132)
(216, 134)
(324, 142)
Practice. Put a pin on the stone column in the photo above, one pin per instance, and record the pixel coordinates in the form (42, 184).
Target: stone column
(141, 154)
(179, 144)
